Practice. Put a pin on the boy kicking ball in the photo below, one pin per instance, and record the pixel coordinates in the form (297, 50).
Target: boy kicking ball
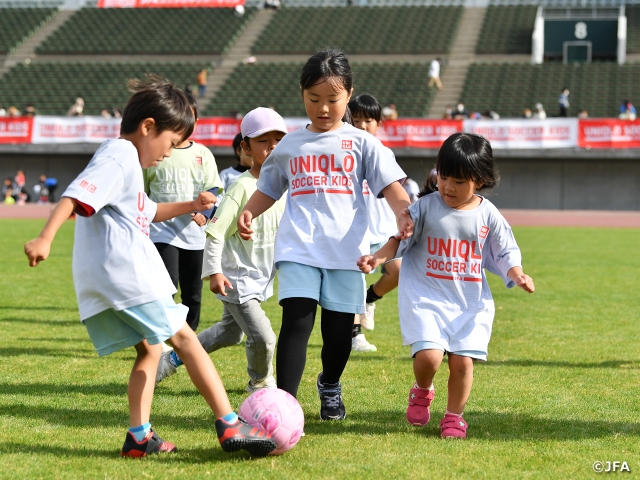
(124, 291)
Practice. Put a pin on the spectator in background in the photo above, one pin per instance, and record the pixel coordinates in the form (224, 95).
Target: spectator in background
(563, 102)
(3, 112)
(527, 113)
(238, 10)
(627, 111)
(390, 112)
(105, 113)
(77, 109)
(8, 191)
(448, 113)
(460, 113)
(434, 74)
(116, 112)
(30, 110)
(13, 111)
(539, 112)
(201, 79)
(583, 114)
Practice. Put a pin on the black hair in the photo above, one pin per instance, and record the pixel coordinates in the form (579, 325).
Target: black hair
(236, 144)
(430, 184)
(155, 97)
(330, 65)
(466, 156)
(193, 103)
(365, 105)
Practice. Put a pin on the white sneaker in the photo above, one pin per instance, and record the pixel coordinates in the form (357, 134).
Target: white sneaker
(360, 344)
(367, 320)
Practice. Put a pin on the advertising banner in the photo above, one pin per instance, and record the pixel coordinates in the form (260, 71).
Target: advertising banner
(49, 129)
(168, 3)
(216, 131)
(417, 132)
(16, 130)
(521, 134)
(609, 133)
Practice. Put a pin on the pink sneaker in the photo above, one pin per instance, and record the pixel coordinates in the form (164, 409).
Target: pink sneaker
(418, 413)
(453, 426)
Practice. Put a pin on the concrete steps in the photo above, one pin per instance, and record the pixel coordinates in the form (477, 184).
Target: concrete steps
(462, 54)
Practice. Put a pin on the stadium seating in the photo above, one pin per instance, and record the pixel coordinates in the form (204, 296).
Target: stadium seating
(633, 28)
(509, 88)
(16, 24)
(52, 87)
(360, 30)
(507, 29)
(188, 31)
(276, 85)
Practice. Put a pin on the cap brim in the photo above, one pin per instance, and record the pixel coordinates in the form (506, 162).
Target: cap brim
(265, 130)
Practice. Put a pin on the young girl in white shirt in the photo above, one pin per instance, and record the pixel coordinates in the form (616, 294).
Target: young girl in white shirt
(443, 297)
(324, 227)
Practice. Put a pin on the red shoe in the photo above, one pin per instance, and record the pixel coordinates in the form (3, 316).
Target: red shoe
(420, 399)
(240, 435)
(453, 426)
(152, 443)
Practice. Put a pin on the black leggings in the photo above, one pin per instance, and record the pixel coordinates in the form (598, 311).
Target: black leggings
(298, 318)
(185, 267)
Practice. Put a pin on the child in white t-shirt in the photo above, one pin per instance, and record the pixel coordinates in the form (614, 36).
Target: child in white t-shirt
(229, 175)
(367, 115)
(123, 288)
(241, 272)
(444, 299)
(324, 226)
(189, 170)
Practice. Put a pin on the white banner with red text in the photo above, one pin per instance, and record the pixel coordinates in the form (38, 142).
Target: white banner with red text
(168, 3)
(403, 133)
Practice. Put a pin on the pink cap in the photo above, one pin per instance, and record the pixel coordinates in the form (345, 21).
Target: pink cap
(260, 121)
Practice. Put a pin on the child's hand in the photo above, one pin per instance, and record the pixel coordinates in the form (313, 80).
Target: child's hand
(244, 225)
(199, 218)
(367, 263)
(405, 224)
(37, 250)
(218, 282)
(205, 201)
(525, 282)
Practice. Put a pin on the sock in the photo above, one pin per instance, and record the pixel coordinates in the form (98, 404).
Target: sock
(371, 295)
(357, 330)
(140, 432)
(230, 417)
(428, 388)
(456, 414)
(174, 359)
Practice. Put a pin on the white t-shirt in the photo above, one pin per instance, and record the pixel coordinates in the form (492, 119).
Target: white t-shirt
(115, 264)
(325, 223)
(382, 220)
(247, 264)
(434, 69)
(181, 178)
(230, 175)
(443, 294)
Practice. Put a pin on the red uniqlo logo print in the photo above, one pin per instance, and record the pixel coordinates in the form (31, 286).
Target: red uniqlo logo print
(347, 144)
(91, 188)
(484, 231)
(198, 160)
(83, 184)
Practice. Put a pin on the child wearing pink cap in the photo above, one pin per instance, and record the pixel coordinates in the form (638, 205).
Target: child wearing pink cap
(241, 272)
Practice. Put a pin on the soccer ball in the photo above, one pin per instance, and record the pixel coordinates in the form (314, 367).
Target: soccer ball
(276, 412)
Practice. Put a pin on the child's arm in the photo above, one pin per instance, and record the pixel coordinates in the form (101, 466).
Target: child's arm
(368, 263)
(399, 202)
(523, 280)
(257, 205)
(38, 248)
(166, 211)
(212, 266)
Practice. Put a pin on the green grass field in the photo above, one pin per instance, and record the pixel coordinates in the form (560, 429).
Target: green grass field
(560, 390)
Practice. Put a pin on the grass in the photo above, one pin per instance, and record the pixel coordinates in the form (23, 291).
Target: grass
(560, 390)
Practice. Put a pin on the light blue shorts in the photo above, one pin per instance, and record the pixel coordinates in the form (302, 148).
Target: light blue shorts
(337, 290)
(157, 321)
(416, 347)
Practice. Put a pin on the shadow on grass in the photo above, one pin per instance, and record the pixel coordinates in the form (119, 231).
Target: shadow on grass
(482, 425)
(36, 321)
(184, 455)
(554, 364)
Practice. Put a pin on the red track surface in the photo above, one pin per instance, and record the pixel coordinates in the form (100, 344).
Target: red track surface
(551, 218)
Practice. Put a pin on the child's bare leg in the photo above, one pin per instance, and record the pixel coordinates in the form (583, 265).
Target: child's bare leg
(425, 366)
(142, 382)
(201, 370)
(460, 382)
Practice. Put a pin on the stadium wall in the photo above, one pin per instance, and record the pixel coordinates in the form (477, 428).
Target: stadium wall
(560, 180)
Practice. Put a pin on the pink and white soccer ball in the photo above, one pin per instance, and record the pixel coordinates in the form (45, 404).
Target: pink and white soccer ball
(278, 413)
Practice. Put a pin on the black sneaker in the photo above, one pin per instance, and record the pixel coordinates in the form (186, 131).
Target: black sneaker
(152, 443)
(240, 435)
(331, 406)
